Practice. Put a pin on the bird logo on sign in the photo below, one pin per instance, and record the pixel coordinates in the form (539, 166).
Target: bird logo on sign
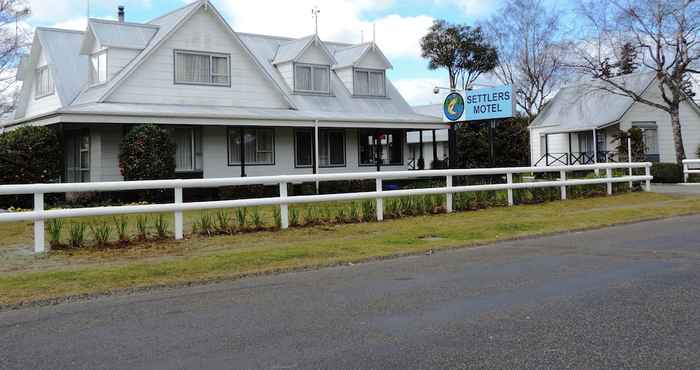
(454, 106)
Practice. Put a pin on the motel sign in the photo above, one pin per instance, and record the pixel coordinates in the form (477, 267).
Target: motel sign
(479, 105)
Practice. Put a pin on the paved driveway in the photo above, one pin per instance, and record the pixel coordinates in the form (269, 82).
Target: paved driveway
(624, 297)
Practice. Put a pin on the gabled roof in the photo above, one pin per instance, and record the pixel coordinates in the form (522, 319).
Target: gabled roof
(119, 35)
(589, 105)
(293, 50)
(167, 25)
(351, 56)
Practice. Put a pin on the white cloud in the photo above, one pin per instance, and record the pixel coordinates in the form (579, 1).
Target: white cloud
(339, 20)
(79, 24)
(60, 11)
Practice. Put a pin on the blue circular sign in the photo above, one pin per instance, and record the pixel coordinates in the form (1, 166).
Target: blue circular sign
(454, 106)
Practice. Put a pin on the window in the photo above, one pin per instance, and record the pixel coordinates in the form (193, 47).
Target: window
(98, 67)
(391, 143)
(312, 78)
(44, 82)
(304, 148)
(188, 149)
(202, 69)
(370, 82)
(78, 156)
(650, 137)
(258, 146)
(331, 148)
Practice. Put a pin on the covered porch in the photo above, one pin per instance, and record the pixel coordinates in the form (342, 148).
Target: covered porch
(567, 147)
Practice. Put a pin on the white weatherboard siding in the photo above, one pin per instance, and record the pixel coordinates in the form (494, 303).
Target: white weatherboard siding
(287, 71)
(117, 59)
(216, 156)
(111, 136)
(47, 103)
(372, 60)
(690, 127)
(153, 82)
(314, 55)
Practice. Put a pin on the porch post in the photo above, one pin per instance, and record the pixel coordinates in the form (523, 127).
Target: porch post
(595, 151)
(421, 160)
(316, 157)
(378, 150)
(546, 149)
(434, 150)
(242, 152)
(569, 160)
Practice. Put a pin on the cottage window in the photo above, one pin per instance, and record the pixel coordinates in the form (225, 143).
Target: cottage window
(650, 138)
(390, 142)
(312, 78)
(77, 156)
(258, 146)
(304, 148)
(188, 149)
(370, 82)
(44, 82)
(331, 148)
(202, 68)
(98, 67)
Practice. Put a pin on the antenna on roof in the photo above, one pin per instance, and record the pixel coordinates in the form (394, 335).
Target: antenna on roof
(374, 33)
(314, 13)
(362, 36)
(88, 9)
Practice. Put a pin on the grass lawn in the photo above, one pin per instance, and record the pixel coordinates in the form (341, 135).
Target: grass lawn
(25, 277)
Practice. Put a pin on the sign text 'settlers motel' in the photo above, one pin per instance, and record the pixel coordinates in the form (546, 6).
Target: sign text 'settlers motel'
(488, 102)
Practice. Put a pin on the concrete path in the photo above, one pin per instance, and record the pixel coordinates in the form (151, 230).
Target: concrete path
(623, 297)
(677, 189)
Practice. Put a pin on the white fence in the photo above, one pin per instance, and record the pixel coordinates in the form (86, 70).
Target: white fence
(690, 166)
(39, 214)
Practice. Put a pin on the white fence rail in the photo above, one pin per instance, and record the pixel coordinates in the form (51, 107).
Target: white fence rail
(690, 166)
(39, 214)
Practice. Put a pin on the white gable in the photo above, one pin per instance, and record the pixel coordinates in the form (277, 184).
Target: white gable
(314, 55)
(153, 81)
(373, 60)
(45, 104)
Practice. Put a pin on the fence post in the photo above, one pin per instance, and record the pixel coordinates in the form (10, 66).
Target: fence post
(449, 196)
(39, 224)
(685, 172)
(509, 177)
(179, 224)
(647, 171)
(629, 158)
(608, 174)
(380, 203)
(562, 175)
(284, 208)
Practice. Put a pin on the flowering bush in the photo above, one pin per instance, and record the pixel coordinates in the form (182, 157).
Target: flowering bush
(147, 153)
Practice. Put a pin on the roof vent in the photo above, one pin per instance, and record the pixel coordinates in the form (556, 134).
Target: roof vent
(120, 13)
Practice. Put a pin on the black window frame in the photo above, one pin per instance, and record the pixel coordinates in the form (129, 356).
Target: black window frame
(310, 132)
(362, 132)
(246, 163)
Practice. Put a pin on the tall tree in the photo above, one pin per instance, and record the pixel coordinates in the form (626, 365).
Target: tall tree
(14, 41)
(527, 34)
(460, 49)
(664, 32)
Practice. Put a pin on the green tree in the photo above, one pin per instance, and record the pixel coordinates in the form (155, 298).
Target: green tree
(638, 147)
(462, 50)
(627, 62)
(147, 152)
(31, 155)
(511, 143)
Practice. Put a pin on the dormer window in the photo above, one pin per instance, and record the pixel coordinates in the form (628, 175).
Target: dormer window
(98, 67)
(44, 82)
(195, 68)
(370, 82)
(312, 78)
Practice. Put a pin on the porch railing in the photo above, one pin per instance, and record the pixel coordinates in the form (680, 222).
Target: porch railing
(690, 166)
(577, 158)
(39, 214)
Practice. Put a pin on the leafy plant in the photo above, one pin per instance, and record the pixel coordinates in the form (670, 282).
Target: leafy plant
(368, 210)
(340, 216)
(241, 217)
(147, 152)
(354, 215)
(204, 225)
(142, 227)
(277, 216)
(55, 229)
(257, 219)
(223, 222)
(161, 226)
(311, 215)
(76, 235)
(101, 231)
(121, 225)
(294, 216)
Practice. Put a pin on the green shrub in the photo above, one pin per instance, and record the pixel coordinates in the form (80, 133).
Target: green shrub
(369, 210)
(121, 225)
(142, 227)
(241, 217)
(277, 217)
(101, 232)
(256, 219)
(223, 222)
(294, 216)
(54, 227)
(147, 152)
(667, 173)
(204, 225)
(76, 235)
(161, 226)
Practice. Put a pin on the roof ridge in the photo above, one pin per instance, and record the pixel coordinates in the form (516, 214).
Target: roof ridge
(41, 28)
(130, 24)
(288, 38)
(173, 11)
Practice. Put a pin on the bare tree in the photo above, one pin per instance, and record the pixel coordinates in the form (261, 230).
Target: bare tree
(530, 53)
(664, 32)
(14, 41)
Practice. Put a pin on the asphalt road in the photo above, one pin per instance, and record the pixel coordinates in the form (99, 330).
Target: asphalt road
(624, 297)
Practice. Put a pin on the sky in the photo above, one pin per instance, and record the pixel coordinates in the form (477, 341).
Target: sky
(399, 25)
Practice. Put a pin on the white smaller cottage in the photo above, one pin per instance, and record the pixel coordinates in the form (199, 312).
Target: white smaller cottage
(578, 125)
